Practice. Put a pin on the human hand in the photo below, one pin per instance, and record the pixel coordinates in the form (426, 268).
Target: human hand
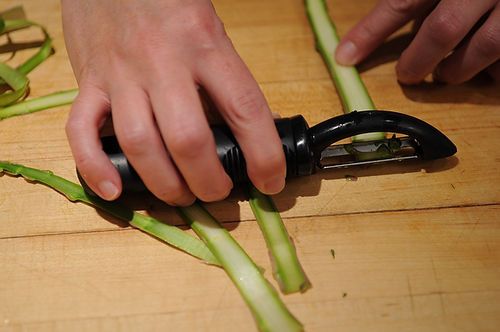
(143, 61)
(452, 41)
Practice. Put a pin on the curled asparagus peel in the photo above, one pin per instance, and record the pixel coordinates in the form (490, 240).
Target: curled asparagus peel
(16, 78)
(352, 91)
(75, 193)
(286, 266)
(17, 81)
(267, 308)
(45, 50)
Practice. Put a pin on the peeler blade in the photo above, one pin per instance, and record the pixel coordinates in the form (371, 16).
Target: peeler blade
(368, 153)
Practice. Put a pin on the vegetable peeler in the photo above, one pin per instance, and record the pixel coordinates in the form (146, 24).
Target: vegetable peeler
(308, 149)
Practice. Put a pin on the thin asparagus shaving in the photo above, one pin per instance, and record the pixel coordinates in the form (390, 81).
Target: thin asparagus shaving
(14, 25)
(286, 266)
(17, 81)
(267, 308)
(75, 193)
(39, 104)
(40, 56)
(352, 91)
(43, 52)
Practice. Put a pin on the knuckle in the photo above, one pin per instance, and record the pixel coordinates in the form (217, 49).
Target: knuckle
(203, 27)
(188, 141)
(365, 33)
(401, 7)
(84, 163)
(444, 28)
(73, 125)
(135, 140)
(246, 107)
(488, 43)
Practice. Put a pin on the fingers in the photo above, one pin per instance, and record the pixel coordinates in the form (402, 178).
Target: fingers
(479, 52)
(88, 112)
(494, 71)
(441, 31)
(141, 142)
(179, 114)
(245, 110)
(372, 30)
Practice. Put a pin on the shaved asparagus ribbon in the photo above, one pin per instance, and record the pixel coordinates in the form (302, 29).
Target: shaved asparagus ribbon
(269, 311)
(39, 104)
(75, 193)
(286, 266)
(350, 87)
(16, 78)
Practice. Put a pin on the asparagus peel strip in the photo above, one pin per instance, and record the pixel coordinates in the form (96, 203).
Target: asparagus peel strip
(17, 81)
(75, 193)
(45, 50)
(352, 91)
(267, 308)
(286, 266)
(40, 56)
(39, 104)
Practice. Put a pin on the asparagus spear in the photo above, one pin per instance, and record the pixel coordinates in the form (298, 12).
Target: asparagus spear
(269, 311)
(286, 266)
(349, 85)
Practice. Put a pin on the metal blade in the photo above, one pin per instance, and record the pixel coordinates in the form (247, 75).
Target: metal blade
(367, 153)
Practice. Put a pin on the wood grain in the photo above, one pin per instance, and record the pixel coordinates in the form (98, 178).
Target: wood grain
(417, 246)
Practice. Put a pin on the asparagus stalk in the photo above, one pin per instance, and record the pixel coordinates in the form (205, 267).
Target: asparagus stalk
(75, 193)
(269, 311)
(39, 104)
(286, 266)
(350, 87)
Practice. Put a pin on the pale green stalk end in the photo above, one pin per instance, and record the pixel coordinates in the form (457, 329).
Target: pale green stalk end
(286, 266)
(264, 302)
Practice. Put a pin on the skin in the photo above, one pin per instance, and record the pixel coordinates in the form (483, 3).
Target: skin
(142, 62)
(452, 42)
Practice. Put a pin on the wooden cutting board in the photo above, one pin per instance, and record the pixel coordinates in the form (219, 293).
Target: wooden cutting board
(417, 247)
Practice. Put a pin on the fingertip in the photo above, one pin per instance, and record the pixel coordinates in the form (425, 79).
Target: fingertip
(106, 183)
(273, 186)
(184, 201)
(108, 190)
(268, 172)
(406, 76)
(217, 194)
(347, 53)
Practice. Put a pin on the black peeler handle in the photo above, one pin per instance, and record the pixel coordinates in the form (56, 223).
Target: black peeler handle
(303, 145)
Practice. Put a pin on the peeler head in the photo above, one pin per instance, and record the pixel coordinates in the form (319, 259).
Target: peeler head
(422, 140)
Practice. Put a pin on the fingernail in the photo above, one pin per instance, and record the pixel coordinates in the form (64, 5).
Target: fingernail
(346, 53)
(275, 185)
(108, 190)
